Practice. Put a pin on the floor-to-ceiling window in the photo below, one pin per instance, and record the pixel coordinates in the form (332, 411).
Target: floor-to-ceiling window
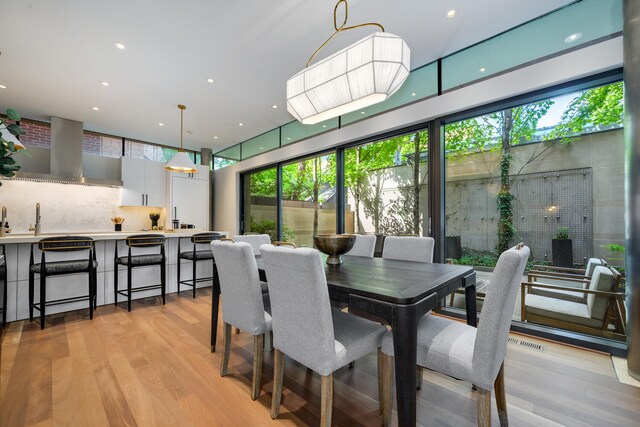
(538, 173)
(309, 199)
(260, 203)
(386, 186)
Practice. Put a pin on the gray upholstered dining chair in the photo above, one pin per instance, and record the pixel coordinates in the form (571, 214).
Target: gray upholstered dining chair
(306, 328)
(365, 245)
(255, 240)
(469, 354)
(408, 248)
(243, 303)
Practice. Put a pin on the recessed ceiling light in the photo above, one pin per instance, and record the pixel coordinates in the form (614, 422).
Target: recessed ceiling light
(482, 69)
(324, 126)
(240, 124)
(451, 13)
(572, 37)
(105, 83)
(215, 137)
(3, 87)
(160, 124)
(95, 108)
(274, 106)
(413, 94)
(119, 45)
(210, 80)
(362, 112)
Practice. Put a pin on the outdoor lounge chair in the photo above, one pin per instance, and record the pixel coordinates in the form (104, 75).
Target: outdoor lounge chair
(575, 278)
(601, 313)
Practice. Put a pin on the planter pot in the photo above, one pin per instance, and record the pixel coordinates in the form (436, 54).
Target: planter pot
(453, 248)
(562, 252)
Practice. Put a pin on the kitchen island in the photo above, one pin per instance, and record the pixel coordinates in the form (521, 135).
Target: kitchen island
(18, 250)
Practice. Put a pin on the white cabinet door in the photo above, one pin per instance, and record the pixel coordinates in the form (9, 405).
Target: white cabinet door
(155, 184)
(133, 182)
(190, 201)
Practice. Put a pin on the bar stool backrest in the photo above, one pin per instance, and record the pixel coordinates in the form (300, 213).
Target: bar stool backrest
(205, 238)
(145, 240)
(65, 244)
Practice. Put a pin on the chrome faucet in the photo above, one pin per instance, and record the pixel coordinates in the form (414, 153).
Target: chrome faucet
(4, 217)
(36, 229)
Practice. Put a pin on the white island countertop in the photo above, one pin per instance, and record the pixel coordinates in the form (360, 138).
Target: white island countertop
(102, 235)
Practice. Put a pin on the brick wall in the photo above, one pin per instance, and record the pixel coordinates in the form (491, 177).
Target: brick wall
(36, 134)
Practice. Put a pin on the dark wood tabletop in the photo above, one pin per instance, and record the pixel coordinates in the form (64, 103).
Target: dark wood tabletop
(397, 282)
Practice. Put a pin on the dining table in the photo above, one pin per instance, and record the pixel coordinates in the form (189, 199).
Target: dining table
(397, 293)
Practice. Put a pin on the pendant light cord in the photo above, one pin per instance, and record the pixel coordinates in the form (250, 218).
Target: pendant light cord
(182, 108)
(342, 27)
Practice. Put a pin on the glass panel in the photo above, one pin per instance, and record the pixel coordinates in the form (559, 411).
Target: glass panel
(386, 189)
(141, 150)
(564, 29)
(101, 145)
(260, 203)
(261, 144)
(309, 199)
(226, 157)
(421, 83)
(37, 134)
(296, 131)
(539, 173)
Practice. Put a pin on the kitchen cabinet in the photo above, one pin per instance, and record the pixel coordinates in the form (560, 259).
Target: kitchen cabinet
(143, 183)
(190, 198)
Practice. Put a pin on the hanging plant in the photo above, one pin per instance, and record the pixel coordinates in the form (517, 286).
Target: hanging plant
(9, 144)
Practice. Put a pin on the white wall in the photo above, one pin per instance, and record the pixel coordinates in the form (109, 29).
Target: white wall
(571, 66)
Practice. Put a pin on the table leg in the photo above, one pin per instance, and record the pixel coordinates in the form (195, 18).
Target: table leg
(405, 331)
(215, 304)
(470, 299)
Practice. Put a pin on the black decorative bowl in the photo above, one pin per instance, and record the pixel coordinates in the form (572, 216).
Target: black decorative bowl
(334, 245)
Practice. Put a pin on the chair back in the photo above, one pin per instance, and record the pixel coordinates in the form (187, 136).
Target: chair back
(601, 280)
(302, 321)
(205, 238)
(408, 248)
(495, 318)
(255, 240)
(591, 265)
(242, 303)
(144, 240)
(65, 244)
(364, 245)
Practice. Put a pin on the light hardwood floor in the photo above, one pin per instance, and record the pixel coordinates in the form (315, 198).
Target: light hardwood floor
(152, 367)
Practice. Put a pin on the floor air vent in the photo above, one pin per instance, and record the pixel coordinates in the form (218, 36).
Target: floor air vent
(526, 344)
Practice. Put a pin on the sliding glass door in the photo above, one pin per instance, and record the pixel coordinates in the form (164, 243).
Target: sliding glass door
(260, 203)
(309, 199)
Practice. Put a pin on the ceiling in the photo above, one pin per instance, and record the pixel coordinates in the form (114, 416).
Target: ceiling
(55, 53)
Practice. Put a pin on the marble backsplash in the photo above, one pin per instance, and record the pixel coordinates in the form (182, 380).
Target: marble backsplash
(66, 208)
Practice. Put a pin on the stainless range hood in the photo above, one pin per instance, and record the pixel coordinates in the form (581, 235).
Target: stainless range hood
(66, 157)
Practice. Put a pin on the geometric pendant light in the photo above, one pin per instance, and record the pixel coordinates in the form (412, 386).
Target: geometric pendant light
(181, 162)
(362, 74)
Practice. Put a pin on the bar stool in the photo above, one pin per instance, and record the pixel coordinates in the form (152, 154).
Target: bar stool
(196, 255)
(58, 246)
(131, 261)
(3, 279)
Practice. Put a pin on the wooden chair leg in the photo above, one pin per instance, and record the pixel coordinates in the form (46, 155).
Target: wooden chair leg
(258, 356)
(501, 399)
(418, 377)
(226, 338)
(326, 404)
(43, 297)
(271, 341)
(483, 402)
(278, 374)
(385, 385)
